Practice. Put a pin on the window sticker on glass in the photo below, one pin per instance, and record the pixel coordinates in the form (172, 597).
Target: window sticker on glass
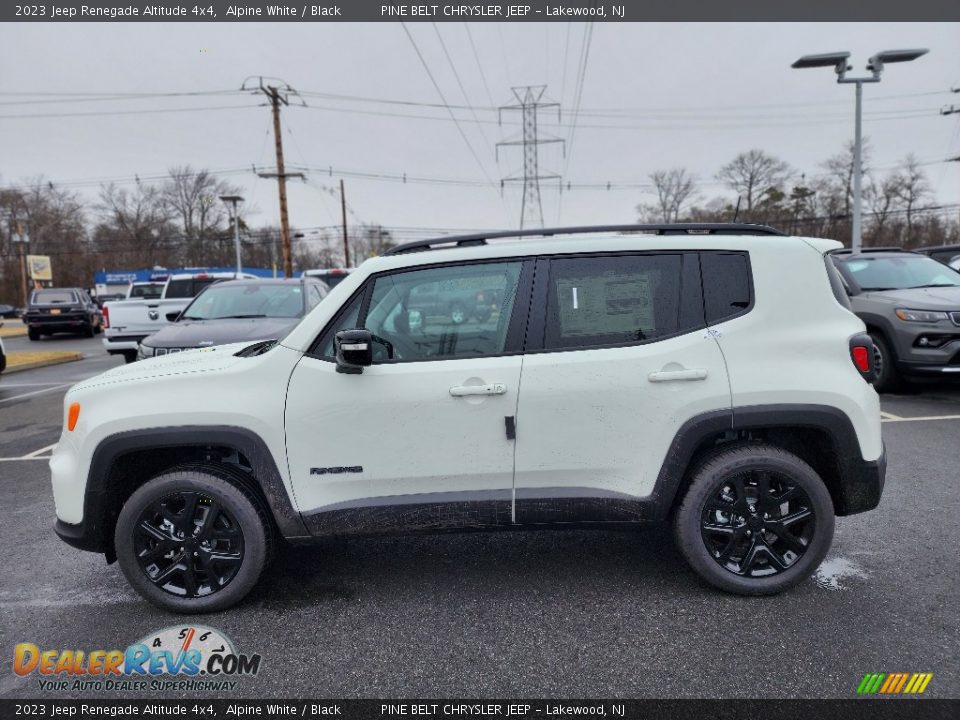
(608, 303)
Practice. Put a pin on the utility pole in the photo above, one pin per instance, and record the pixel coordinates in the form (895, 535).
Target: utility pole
(277, 96)
(528, 102)
(343, 214)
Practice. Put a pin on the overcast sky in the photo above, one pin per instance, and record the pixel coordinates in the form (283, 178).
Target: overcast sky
(653, 96)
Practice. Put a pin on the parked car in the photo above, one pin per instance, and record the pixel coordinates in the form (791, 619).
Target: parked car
(668, 373)
(3, 355)
(910, 304)
(55, 310)
(947, 254)
(331, 276)
(9, 311)
(236, 311)
(128, 322)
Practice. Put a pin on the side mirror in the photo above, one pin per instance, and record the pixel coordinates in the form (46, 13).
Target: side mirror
(173, 316)
(354, 351)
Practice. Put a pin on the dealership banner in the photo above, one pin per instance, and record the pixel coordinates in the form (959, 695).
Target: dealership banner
(490, 11)
(315, 709)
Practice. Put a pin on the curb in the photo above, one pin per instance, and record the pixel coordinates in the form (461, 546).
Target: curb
(12, 332)
(72, 357)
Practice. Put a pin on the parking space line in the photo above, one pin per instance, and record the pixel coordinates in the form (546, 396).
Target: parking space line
(35, 392)
(42, 450)
(19, 385)
(916, 419)
(889, 416)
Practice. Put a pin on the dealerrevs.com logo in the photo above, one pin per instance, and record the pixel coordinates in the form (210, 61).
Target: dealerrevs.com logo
(175, 658)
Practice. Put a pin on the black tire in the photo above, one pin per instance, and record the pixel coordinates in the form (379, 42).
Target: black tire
(98, 328)
(888, 377)
(89, 331)
(238, 536)
(33, 334)
(129, 356)
(745, 553)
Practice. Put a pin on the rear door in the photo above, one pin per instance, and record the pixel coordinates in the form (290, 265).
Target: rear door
(618, 358)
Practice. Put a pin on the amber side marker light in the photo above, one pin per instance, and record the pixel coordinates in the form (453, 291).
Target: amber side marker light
(73, 414)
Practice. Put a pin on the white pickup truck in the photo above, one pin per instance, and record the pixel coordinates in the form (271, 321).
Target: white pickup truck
(127, 322)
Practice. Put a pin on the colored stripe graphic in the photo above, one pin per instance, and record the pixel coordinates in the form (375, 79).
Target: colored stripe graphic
(894, 683)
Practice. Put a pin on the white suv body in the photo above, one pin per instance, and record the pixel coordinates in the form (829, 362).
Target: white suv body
(707, 374)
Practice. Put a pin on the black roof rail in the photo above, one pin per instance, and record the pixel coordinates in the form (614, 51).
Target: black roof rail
(863, 250)
(481, 238)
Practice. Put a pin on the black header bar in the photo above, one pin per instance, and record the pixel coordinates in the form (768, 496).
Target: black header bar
(480, 11)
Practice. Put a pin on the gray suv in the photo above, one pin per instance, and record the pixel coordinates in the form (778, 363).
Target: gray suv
(910, 304)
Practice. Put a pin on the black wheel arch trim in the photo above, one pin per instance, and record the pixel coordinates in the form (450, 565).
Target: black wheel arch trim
(856, 486)
(90, 533)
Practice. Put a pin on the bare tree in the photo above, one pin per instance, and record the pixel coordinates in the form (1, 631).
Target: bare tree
(882, 197)
(754, 173)
(840, 169)
(674, 188)
(193, 201)
(913, 190)
(133, 221)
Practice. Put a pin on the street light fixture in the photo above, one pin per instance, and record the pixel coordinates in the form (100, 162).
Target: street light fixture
(233, 200)
(838, 61)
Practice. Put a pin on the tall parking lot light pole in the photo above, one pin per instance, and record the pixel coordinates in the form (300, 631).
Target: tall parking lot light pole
(838, 61)
(233, 200)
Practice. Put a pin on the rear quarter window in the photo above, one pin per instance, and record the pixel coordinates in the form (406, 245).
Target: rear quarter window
(727, 285)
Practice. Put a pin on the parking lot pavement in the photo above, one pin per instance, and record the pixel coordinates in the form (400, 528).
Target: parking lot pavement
(552, 614)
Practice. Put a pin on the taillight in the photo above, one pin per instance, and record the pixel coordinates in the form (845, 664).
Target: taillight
(862, 354)
(105, 311)
(861, 358)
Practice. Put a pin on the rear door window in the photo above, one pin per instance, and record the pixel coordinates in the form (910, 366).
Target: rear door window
(615, 300)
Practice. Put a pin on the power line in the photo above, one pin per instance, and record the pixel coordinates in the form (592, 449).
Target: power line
(95, 113)
(456, 75)
(476, 57)
(436, 86)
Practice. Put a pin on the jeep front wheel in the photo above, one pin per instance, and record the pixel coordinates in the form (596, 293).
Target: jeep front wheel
(755, 520)
(191, 541)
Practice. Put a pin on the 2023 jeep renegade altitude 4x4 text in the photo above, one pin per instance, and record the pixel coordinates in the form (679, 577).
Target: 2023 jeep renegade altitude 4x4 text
(707, 375)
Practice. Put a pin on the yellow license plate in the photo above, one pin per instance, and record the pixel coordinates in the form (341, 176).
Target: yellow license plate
(55, 311)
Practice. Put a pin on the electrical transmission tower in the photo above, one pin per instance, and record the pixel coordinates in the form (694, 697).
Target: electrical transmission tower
(277, 96)
(528, 102)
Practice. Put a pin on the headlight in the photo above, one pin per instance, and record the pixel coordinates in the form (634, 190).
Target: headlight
(920, 315)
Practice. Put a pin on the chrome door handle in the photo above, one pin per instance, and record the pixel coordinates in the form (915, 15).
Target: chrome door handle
(667, 375)
(493, 389)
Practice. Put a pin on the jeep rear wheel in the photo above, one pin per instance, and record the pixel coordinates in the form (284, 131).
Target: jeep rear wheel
(191, 541)
(756, 520)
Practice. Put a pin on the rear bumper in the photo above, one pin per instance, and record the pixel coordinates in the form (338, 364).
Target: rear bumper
(121, 343)
(863, 484)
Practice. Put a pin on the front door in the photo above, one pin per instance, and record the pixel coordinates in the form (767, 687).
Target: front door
(418, 439)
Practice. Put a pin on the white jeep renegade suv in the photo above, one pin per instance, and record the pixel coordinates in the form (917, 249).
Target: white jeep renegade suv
(709, 375)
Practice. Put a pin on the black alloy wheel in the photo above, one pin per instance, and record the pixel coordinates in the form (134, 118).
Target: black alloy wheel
(188, 544)
(195, 538)
(755, 519)
(757, 523)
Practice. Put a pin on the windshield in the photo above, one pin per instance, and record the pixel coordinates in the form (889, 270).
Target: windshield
(899, 272)
(152, 291)
(49, 297)
(246, 301)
